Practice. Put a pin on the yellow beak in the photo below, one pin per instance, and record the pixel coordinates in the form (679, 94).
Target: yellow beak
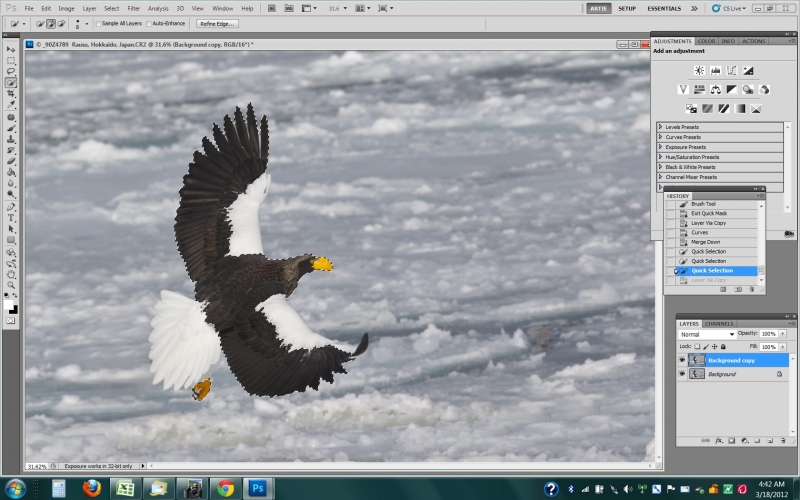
(322, 264)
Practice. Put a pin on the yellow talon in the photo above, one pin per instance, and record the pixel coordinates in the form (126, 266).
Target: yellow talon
(201, 390)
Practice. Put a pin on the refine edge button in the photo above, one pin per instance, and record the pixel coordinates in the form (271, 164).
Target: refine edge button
(217, 23)
(598, 8)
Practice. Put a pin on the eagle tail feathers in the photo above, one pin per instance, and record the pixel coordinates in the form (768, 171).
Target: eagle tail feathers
(184, 348)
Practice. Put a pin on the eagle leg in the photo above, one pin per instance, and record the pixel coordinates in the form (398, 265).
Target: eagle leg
(201, 390)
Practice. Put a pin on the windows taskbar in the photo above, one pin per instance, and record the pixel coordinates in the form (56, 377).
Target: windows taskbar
(394, 488)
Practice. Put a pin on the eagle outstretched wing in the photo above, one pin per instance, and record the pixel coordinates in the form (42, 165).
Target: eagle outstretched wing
(270, 349)
(221, 194)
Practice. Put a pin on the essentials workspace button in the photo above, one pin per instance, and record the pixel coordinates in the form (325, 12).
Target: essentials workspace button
(598, 8)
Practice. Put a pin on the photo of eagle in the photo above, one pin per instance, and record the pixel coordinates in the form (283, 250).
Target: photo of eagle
(240, 306)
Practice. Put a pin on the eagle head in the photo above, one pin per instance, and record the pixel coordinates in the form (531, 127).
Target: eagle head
(297, 267)
(307, 263)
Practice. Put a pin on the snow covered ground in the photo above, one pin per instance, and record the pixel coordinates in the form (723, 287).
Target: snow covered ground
(485, 212)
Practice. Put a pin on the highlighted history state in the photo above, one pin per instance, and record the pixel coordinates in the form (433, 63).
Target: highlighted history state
(717, 271)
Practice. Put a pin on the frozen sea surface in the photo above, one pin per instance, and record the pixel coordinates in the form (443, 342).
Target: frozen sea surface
(486, 214)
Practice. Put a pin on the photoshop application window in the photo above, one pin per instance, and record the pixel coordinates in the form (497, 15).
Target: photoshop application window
(399, 249)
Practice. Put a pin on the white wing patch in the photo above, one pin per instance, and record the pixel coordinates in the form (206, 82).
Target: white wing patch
(291, 329)
(184, 348)
(243, 216)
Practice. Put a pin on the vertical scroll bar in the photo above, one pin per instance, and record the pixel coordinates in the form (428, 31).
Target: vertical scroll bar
(787, 166)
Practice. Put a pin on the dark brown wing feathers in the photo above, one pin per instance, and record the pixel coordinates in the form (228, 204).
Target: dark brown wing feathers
(216, 177)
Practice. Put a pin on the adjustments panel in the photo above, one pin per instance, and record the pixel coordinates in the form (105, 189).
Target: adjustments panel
(715, 240)
(746, 361)
(724, 111)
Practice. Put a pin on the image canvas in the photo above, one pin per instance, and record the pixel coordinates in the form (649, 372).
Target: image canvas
(486, 215)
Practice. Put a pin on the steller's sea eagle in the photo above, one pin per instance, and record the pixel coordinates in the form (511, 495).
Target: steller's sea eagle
(239, 305)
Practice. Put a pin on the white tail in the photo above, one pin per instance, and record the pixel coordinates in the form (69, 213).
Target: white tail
(184, 348)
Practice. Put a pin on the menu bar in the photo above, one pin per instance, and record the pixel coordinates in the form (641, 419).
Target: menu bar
(387, 7)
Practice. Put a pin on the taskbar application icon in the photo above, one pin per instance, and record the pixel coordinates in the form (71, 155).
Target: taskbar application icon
(159, 488)
(225, 488)
(259, 488)
(125, 488)
(92, 488)
(191, 487)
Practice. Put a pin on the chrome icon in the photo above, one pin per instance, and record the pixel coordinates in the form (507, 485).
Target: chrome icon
(15, 488)
(225, 488)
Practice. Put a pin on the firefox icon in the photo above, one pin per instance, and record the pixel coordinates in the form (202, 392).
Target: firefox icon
(92, 488)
